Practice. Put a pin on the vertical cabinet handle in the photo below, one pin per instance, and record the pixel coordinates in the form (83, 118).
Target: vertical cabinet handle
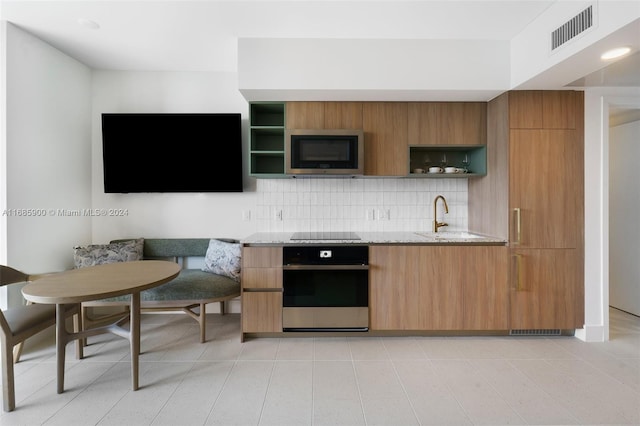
(517, 272)
(518, 229)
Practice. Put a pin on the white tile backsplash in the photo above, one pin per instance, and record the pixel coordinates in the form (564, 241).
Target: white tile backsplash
(368, 204)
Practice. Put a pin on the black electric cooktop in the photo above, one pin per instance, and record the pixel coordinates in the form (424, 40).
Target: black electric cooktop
(325, 236)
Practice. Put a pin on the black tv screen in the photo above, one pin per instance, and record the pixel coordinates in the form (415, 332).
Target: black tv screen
(161, 152)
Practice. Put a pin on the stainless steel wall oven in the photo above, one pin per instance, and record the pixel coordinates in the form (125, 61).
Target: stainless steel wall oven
(326, 288)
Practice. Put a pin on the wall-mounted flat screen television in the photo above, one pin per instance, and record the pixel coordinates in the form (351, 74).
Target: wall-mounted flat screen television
(163, 152)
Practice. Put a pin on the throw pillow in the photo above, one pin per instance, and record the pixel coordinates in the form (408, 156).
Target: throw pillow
(223, 258)
(98, 254)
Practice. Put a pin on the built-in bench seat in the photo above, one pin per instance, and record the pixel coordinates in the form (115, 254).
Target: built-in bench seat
(189, 292)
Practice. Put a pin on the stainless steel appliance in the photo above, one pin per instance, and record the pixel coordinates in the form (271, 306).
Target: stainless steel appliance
(326, 288)
(324, 152)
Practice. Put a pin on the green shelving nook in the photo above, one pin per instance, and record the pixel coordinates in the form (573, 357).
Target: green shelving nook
(266, 123)
(425, 156)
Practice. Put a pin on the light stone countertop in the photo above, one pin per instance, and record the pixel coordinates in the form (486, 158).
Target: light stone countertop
(419, 238)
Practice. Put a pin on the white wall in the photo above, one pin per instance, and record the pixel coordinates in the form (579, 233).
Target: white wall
(48, 146)
(596, 162)
(306, 204)
(168, 215)
(624, 228)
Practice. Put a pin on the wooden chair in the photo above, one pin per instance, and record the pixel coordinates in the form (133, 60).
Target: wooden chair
(20, 323)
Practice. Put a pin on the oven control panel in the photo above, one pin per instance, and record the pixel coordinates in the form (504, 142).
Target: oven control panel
(325, 255)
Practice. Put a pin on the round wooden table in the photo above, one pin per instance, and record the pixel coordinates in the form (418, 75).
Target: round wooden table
(98, 282)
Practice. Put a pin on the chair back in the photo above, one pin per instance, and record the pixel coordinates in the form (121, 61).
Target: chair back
(10, 276)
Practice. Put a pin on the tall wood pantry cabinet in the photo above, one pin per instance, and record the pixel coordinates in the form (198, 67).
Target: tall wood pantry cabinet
(534, 198)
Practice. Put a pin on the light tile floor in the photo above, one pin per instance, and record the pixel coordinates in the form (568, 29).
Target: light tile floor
(334, 381)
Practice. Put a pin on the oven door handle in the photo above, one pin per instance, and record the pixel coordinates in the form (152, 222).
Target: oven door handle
(325, 267)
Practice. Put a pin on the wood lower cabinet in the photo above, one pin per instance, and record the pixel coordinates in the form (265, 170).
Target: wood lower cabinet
(261, 289)
(546, 290)
(438, 288)
(394, 281)
(485, 288)
(261, 312)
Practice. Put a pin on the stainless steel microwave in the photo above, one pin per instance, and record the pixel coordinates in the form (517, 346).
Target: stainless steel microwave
(324, 152)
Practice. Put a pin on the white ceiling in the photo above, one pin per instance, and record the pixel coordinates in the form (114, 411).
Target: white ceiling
(202, 35)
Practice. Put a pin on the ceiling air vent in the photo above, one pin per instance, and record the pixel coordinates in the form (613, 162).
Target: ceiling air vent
(576, 25)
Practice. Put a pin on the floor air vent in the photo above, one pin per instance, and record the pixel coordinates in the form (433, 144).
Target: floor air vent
(576, 25)
(538, 332)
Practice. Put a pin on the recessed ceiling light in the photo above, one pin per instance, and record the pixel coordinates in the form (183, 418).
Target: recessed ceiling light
(88, 23)
(615, 53)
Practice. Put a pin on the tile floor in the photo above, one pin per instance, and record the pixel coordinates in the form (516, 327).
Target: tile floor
(334, 381)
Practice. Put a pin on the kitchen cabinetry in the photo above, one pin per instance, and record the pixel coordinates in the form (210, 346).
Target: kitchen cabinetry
(324, 115)
(261, 289)
(533, 195)
(305, 115)
(266, 139)
(545, 293)
(540, 109)
(447, 123)
(384, 125)
(398, 135)
(423, 157)
(438, 288)
(343, 115)
(543, 194)
(385, 134)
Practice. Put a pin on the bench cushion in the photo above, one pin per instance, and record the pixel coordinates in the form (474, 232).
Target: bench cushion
(190, 284)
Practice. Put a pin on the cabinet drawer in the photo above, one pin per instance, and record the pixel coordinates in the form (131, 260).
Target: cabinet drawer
(261, 257)
(261, 312)
(261, 278)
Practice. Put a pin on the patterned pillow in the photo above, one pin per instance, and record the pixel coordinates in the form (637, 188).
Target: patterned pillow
(97, 254)
(223, 258)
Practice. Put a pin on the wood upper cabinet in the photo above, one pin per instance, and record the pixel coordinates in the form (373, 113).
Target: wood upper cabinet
(543, 109)
(447, 123)
(438, 288)
(546, 291)
(324, 115)
(385, 134)
(545, 178)
(261, 289)
(343, 115)
(305, 115)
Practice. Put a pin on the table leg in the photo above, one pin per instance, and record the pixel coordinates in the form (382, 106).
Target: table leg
(134, 337)
(61, 343)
